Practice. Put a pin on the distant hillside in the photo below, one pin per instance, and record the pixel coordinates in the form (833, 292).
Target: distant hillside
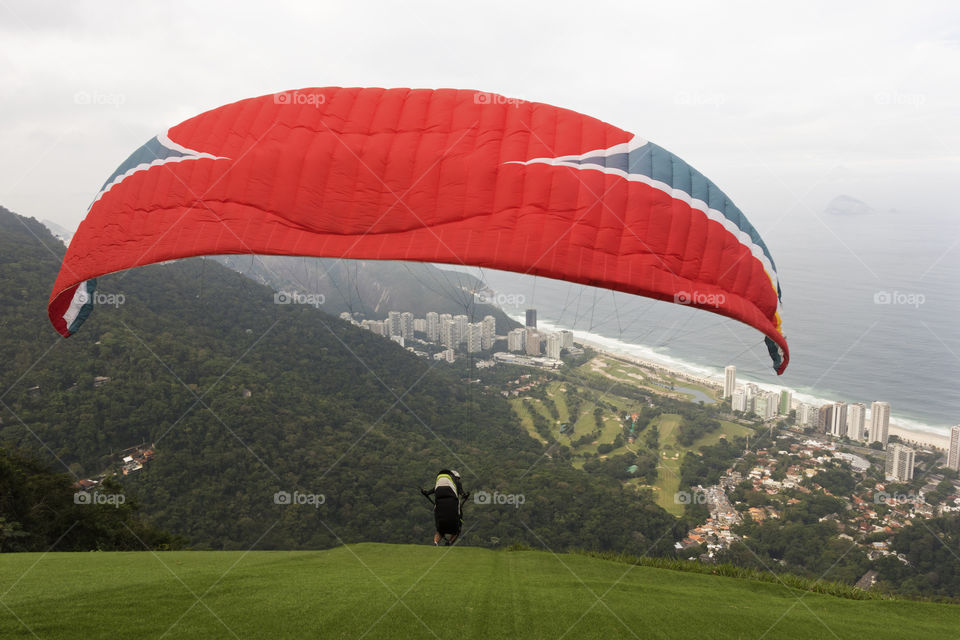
(61, 233)
(387, 591)
(245, 401)
(371, 288)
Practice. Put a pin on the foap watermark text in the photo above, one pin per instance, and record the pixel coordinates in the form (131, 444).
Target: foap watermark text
(699, 298)
(899, 298)
(95, 497)
(299, 498)
(497, 498)
(295, 297)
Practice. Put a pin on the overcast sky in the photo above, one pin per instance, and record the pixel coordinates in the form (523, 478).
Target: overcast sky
(783, 106)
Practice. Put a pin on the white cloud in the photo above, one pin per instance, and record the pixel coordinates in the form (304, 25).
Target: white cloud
(768, 99)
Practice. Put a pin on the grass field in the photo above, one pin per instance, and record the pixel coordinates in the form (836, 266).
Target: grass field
(671, 455)
(395, 591)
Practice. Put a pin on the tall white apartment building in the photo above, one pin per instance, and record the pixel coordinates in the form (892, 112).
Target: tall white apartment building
(729, 381)
(900, 461)
(433, 326)
(880, 422)
(474, 337)
(462, 322)
(449, 335)
(553, 346)
(531, 341)
(765, 404)
(856, 420)
(489, 332)
(394, 323)
(953, 451)
(515, 340)
(406, 325)
(738, 400)
(838, 420)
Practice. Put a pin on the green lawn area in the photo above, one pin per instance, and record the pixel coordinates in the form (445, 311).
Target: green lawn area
(525, 421)
(668, 474)
(671, 455)
(401, 591)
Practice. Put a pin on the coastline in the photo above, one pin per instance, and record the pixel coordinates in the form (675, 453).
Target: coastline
(919, 434)
(908, 435)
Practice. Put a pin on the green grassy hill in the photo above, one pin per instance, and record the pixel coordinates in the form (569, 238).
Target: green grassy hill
(396, 591)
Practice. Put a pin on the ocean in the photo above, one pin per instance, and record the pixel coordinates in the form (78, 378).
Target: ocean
(871, 307)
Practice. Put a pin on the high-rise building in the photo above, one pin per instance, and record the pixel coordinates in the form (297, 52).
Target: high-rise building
(786, 402)
(474, 337)
(807, 415)
(880, 422)
(449, 336)
(433, 326)
(462, 322)
(406, 325)
(900, 461)
(420, 325)
(953, 452)
(489, 332)
(531, 341)
(566, 339)
(838, 420)
(532, 318)
(824, 417)
(856, 420)
(394, 322)
(515, 340)
(765, 404)
(738, 401)
(553, 346)
(729, 381)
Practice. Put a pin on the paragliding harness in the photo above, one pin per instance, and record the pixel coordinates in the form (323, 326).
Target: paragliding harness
(448, 500)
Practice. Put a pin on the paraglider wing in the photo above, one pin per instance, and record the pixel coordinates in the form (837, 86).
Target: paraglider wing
(448, 176)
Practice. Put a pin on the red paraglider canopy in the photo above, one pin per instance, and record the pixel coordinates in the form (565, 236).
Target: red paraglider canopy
(448, 176)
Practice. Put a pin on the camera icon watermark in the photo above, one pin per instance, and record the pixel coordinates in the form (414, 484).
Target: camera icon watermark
(699, 299)
(294, 297)
(899, 298)
(497, 498)
(690, 497)
(484, 97)
(300, 98)
(297, 498)
(97, 498)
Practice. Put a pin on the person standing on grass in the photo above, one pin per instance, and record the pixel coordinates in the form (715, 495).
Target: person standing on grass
(448, 501)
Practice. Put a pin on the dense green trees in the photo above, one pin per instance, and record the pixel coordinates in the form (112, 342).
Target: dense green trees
(931, 559)
(706, 466)
(41, 511)
(247, 401)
